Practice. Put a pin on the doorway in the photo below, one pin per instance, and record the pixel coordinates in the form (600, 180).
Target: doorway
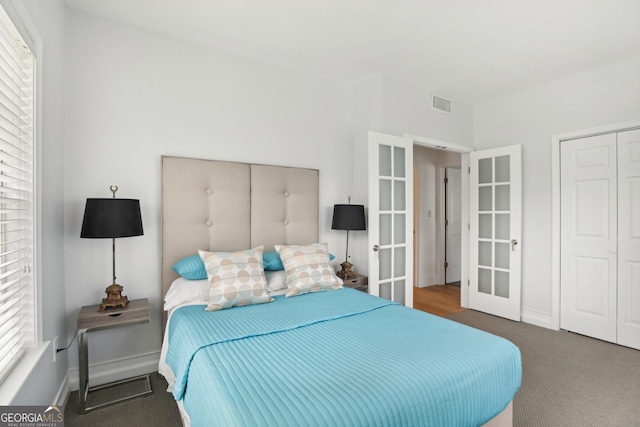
(433, 210)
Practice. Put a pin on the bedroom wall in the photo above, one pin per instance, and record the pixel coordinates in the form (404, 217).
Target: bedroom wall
(135, 95)
(601, 96)
(406, 108)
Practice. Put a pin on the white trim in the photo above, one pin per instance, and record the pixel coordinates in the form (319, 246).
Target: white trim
(62, 397)
(464, 219)
(25, 26)
(536, 318)
(434, 143)
(14, 381)
(556, 139)
(117, 369)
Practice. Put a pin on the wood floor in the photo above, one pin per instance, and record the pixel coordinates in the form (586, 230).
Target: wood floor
(441, 300)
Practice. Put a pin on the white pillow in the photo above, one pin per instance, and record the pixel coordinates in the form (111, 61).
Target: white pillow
(183, 291)
(276, 280)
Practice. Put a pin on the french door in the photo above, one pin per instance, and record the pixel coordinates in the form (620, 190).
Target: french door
(495, 187)
(391, 217)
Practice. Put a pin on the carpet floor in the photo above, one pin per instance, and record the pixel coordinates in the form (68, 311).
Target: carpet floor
(568, 380)
(156, 410)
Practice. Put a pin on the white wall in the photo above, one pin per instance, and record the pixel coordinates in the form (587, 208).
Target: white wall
(601, 96)
(406, 108)
(133, 96)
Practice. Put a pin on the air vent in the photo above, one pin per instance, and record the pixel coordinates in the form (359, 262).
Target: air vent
(440, 103)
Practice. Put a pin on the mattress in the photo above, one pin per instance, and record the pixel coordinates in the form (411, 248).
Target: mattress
(337, 358)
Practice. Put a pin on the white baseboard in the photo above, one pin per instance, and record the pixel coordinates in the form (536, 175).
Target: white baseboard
(63, 392)
(536, 318)
(105, 372)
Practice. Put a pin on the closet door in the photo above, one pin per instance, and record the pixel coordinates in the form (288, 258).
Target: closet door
(588, 223)
(629, 238)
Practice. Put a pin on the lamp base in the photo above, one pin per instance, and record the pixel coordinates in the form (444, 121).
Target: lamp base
(347, 271)
(114, 298)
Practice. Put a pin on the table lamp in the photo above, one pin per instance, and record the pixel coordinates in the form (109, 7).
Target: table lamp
(348, 217)
(110, 219)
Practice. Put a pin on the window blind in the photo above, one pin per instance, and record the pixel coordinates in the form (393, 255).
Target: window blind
(17, 295)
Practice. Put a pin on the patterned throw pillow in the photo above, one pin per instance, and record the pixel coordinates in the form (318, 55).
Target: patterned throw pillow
(235, 278)
(308, 269)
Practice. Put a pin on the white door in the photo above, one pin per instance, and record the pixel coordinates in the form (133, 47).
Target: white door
(588, 221)
(629, 238)
(495, 226)
(453, 225)
(391, 217)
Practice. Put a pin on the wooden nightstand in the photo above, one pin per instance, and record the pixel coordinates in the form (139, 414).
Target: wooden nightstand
(90, 319)
(360, 283)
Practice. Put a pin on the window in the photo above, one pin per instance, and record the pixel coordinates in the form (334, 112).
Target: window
(17, 141)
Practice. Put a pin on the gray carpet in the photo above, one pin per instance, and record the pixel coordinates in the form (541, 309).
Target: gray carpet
(156, 410)
(568, 380)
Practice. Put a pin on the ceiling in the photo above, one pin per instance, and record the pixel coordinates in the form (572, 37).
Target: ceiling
(467, 50)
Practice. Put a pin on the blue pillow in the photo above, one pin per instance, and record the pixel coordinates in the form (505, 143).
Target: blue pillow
(272, 262)
(191, 268)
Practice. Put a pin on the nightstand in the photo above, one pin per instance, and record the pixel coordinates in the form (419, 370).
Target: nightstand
(360, 283)
(89, 320)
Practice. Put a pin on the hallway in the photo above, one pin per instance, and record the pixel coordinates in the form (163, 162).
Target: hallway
(441, 300)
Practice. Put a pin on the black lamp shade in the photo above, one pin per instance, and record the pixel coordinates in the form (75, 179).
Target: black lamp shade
(348, 217)
(111, 218)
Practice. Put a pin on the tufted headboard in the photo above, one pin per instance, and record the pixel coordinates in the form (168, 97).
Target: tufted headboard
(227, 206)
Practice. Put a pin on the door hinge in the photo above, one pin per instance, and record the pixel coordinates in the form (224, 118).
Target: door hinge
(469, 226)
(446, 222)
(446, 180)
(468, 282)
(446, 264)
(469, 171)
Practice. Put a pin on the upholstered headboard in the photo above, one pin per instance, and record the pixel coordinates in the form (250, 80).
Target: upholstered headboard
(226, 206)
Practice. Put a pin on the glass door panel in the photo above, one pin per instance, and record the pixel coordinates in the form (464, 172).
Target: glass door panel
(384, 272)
(384, 160)
(385, 229)
(400, 225)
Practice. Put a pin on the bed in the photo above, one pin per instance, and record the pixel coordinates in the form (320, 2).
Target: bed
(337, 357)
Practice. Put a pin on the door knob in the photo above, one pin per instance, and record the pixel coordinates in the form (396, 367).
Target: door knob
(514, 242)
(376, 248)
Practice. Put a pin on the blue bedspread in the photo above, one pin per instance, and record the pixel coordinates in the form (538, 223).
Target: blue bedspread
(337, 358)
